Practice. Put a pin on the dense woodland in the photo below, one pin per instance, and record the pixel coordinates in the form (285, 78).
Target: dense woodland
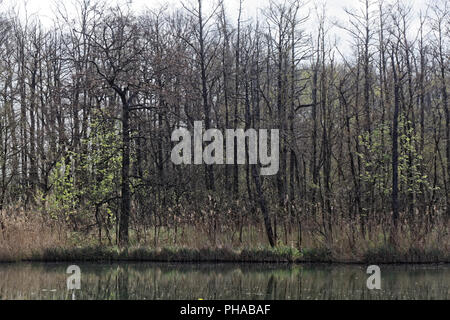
(88, 106)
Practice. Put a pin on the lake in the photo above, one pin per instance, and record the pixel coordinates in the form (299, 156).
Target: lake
(100, 281)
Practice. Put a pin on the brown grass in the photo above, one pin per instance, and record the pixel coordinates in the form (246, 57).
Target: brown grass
(32, 236)
(25, 233)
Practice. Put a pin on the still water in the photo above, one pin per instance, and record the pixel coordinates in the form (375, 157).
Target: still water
(222, 281)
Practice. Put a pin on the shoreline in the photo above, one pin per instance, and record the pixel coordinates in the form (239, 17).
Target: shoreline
(277, 255)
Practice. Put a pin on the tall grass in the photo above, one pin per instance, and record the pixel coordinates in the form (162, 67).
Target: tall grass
(28, 236)
(25, 233)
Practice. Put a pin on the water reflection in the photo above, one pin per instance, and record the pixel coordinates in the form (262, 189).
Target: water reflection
(222, 281)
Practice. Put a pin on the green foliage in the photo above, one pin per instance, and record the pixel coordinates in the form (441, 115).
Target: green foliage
(95, 180)
(317, 255)
(388, 254)
(377, 254)
(410, 161)
(377, 161)
(169, 254)
(101, 166)
(277, 254)
(63, 200)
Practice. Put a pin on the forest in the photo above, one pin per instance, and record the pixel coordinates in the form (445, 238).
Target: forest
(88, 105)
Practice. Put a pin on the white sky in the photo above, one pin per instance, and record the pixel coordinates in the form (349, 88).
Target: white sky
(335, 9)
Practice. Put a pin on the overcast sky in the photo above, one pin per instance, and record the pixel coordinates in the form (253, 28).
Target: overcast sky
(335, 9)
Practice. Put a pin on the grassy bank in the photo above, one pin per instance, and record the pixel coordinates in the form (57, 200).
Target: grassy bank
(261, 254)
(28, 237)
